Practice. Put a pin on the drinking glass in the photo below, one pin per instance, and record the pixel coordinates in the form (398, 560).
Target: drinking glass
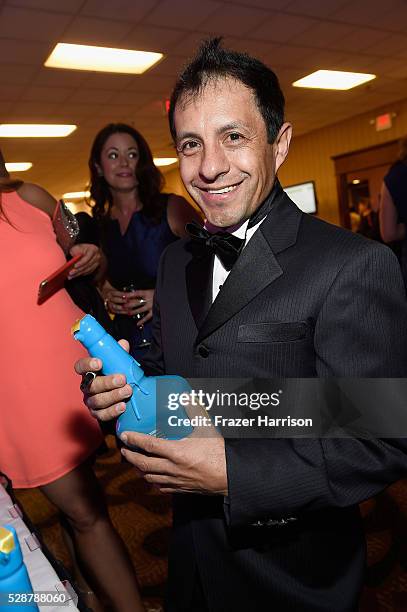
(144, 343)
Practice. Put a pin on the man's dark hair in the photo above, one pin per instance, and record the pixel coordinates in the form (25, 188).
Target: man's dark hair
(213, 61)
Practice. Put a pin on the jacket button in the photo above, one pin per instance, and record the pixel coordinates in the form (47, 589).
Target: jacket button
(203, 351)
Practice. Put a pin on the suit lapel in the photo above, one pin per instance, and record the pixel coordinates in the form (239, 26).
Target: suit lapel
(256, 268)
(199, 283)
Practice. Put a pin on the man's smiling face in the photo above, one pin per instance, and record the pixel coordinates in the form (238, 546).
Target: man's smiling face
(226, 163)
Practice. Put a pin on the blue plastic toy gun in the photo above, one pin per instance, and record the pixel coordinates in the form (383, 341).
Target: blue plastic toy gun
(150, 393)
(14, 580)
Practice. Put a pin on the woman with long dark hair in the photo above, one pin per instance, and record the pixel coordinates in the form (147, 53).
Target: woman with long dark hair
(136, 223)
(47, 436)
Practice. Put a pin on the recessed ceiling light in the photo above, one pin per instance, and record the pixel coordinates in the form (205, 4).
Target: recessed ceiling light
(334, 79)
(76, 195)
(101, 59)
(32, 130)
(165, 161)
(18, 166)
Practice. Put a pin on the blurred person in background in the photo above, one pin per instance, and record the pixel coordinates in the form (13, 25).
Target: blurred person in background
(47, 438)
(368, 220)
(136, 222)
(393, 206)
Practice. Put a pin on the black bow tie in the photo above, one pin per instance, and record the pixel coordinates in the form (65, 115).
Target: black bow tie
(226, 246)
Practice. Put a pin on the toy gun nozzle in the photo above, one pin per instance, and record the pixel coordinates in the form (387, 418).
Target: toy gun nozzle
(7, 543)
(76, 327)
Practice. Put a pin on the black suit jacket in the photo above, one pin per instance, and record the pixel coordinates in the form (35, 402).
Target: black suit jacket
(305, 299)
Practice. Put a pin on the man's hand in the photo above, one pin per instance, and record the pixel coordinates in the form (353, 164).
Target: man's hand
(104, 397)
(192, 465)
(196, 464)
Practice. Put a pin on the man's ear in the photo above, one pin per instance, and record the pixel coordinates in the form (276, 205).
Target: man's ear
(282, 144)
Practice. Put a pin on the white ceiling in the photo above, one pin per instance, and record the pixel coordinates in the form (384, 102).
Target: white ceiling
(294, 37)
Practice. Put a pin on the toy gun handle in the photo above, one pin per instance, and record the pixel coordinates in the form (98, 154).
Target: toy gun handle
(14, 578)
(149, 401)
(114, 358)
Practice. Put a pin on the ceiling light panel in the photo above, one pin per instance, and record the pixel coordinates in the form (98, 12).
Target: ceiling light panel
(76, 195)
(165, 161)
(35, 130)
(101, 59)
(334, 79)
(18, 166)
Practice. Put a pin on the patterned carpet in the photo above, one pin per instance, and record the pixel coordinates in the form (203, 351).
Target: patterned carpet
(139, 512)
(143, 517)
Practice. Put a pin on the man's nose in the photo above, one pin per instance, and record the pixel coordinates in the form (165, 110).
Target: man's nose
(214, 163)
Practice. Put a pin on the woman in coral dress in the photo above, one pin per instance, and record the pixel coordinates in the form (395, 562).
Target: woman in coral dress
(46, 433)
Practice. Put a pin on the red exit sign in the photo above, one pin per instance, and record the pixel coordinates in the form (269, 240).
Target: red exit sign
(383, 122)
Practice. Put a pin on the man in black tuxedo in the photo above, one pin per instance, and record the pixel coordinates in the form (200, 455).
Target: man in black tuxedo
(262, 524)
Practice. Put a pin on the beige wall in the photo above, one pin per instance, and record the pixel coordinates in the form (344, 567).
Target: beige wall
(310, 155)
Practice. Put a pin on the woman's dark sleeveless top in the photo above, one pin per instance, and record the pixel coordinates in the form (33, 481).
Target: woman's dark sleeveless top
(132, 258)
(396, 183)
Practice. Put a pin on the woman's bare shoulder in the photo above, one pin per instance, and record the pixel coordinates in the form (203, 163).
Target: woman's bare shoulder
(37, 196)
(180, 212)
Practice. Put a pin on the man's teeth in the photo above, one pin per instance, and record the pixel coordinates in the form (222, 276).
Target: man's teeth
(224, 190)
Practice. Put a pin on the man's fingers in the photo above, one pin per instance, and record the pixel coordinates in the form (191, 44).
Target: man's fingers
(149, 465)
(159, 480)
(195, 409)
(203, 431)
(110, 383)
(88, 364)
(124, 344)
(109, 413)
(101, 394)
(150, 444)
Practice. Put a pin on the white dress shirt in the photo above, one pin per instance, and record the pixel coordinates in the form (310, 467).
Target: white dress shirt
(220, 273)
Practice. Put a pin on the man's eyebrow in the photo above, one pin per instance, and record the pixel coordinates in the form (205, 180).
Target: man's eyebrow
(221, 130)
(186, 135)
(235, 125)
